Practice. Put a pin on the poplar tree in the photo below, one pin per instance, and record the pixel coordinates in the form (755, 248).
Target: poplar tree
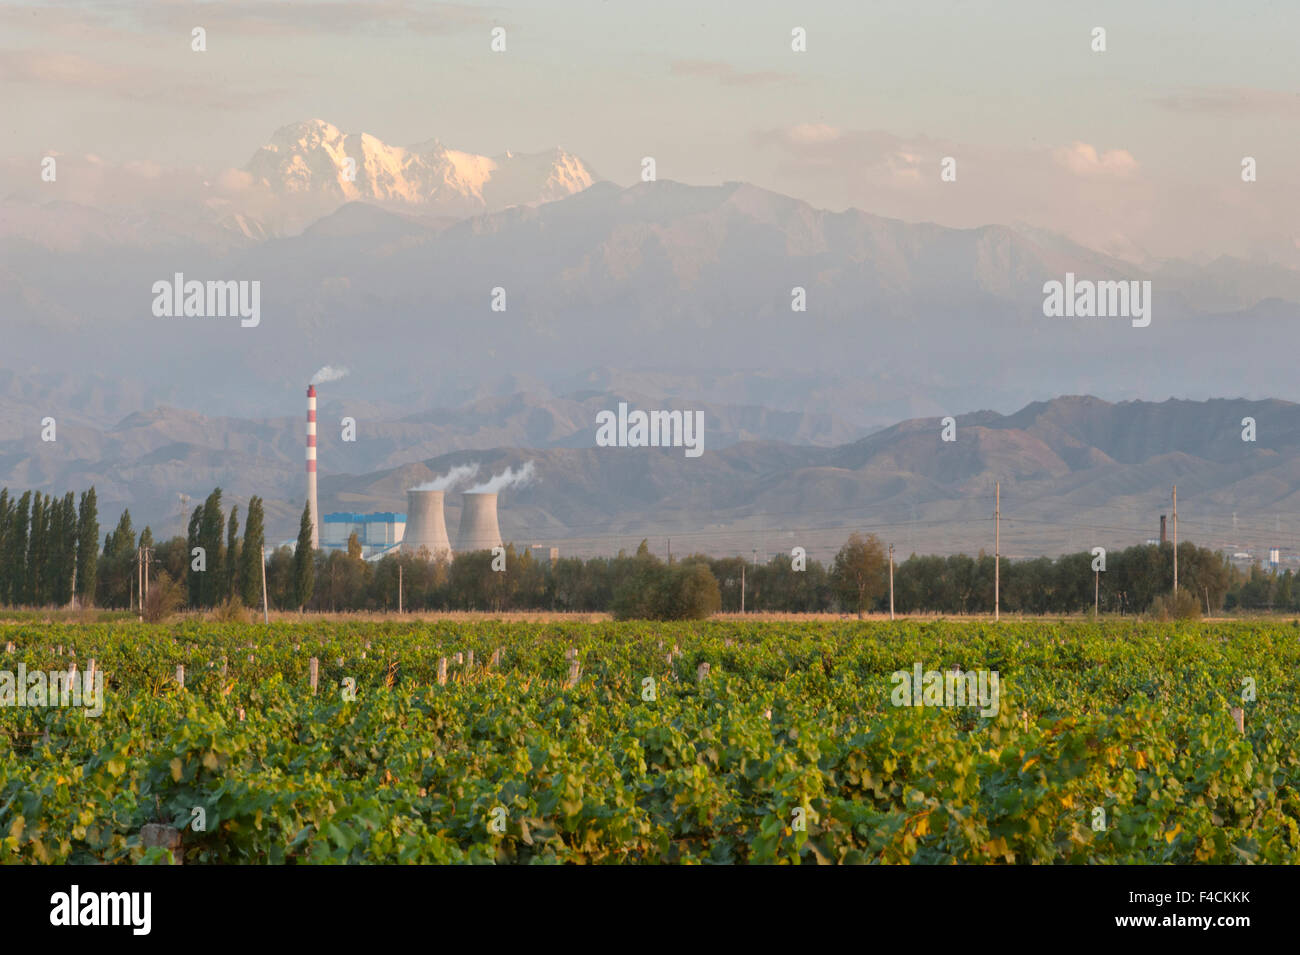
(193, 578)
(250, 557)
(66, 536)
(213, 579)
(36, 551)
(304, 567)
(16, 541)
(6, 509)
(87, 547)
(232, 555)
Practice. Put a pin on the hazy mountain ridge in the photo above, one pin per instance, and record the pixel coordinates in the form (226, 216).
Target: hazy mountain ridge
(920, 490)
(1063, 464)
(695, 281)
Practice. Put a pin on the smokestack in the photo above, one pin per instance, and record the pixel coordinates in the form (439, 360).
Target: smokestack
(478, 523)
(425, 525)
(1163, 538)
(311, 466)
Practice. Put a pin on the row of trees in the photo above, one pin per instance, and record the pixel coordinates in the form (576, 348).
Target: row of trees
(49, 545)
(856, 581)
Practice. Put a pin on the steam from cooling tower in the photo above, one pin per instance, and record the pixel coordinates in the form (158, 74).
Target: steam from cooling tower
(506, 479)
(457, 475)
(328, 373)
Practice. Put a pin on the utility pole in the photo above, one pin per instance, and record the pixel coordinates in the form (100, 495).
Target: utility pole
(1175, 540)
(891, 581)
(399, 588)
(997, 551)
(670, 550)
(1096, 593)
(742, 586)
(142, 557)
(266, 613)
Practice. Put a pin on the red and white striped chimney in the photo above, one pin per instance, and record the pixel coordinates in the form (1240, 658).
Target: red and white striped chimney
(311, 466)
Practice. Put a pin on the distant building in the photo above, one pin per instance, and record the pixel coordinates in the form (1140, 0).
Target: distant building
(376, 532)
(544, 555)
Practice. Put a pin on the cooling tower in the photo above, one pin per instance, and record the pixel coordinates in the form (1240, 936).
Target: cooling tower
(425, 525)
(311, 466)
(478, 523)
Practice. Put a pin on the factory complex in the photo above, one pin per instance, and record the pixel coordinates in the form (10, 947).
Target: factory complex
(422, 530)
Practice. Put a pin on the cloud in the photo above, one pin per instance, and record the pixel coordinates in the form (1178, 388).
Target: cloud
(71, 70)
(1223, 100)
(728, 75)
(1083, 159)
(234, 181)
(823, 151)
(250, 18)
(808, 133)
(77, 73)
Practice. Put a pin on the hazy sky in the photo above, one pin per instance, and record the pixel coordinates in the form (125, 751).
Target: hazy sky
(1136, 150)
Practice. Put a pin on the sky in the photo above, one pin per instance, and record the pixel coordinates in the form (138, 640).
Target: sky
(1136, 151)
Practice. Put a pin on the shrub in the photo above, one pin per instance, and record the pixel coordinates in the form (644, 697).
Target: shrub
(1180, 606)
(232, 611)
(165, 598)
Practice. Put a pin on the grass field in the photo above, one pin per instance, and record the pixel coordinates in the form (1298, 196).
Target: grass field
(1110, 742)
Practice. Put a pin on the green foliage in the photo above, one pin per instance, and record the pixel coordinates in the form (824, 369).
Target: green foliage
(653, 590)
(1179, 606)
(164, 599)
(232, 589)
(193, 539)
(1131, 719)
(87, 547)
(213, 580)
(304, 567)
(250, 556)
(860, 571)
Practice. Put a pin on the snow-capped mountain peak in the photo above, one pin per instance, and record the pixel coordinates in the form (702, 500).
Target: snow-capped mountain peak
(316, 159)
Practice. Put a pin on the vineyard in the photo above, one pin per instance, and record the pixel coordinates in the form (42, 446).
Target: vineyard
(515, 742)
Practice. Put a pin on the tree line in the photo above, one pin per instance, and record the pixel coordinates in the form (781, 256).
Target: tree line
(49, 549)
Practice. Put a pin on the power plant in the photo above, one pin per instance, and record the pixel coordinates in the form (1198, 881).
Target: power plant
(426, 526)
(311, 466)
(478, 522)
(378, 532)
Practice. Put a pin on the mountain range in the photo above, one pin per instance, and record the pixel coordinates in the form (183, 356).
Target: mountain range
(490, 305)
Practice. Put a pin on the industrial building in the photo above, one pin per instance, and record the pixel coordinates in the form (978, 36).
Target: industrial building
(377, 532)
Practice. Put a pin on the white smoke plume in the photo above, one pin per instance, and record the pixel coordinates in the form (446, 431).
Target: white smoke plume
(507, 478)
(328, 373)
(457, 475)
